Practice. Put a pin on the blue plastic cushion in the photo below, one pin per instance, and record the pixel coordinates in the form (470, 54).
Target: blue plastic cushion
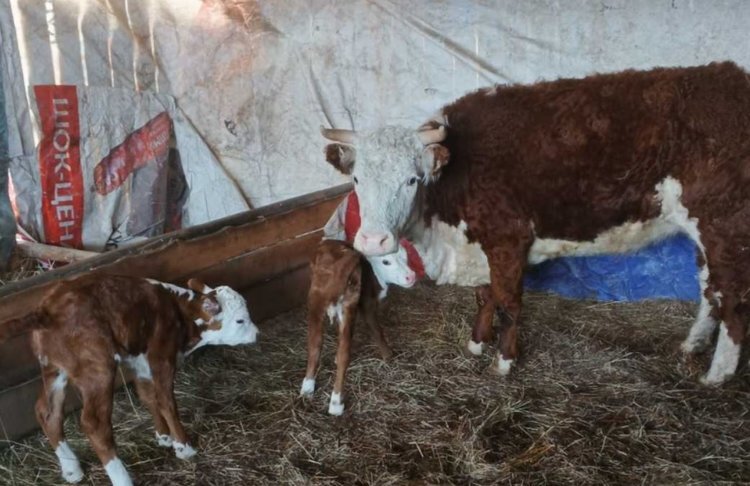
(665, 270)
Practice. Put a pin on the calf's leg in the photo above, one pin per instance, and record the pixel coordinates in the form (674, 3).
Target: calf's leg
(97, 387)
(50, 415)
(315, 318)
(346, 323)
(705, 324)
(369, 311)
(147, 395)
(163, 372)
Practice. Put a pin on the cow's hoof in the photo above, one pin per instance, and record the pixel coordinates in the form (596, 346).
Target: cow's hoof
(475, 349)
(308, 387)
(715, 379)
(164, 440)
(336, 407)
(183, 451)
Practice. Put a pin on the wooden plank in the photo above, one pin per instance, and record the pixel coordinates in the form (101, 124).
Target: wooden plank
(187, 251)
(260, 265)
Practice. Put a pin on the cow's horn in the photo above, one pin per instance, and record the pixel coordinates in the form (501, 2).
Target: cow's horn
(432, 135)
(338, 135)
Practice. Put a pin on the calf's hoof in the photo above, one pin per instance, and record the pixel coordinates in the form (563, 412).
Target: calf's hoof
(308, 387)
(183, 451)
(336, 407)
(474, 348)
(72, 475)
(386, 354)
(501, 366)
(164, 440)
(715, 378)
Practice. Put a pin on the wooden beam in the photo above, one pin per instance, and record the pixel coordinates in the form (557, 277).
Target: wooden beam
(49, 252)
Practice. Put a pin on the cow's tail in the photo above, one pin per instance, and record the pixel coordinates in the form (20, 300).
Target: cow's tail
(22, 325)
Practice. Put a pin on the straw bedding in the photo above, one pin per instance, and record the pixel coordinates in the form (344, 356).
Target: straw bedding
(600, 396)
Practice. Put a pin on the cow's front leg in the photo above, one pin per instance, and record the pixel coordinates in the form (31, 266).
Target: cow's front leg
(482, 333)
(507, 262)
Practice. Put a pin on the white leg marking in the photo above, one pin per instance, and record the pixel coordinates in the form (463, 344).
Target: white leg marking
(139, 365)
(475, 348)
(164, 440)
(71, 468)
(308, 387)
(502, 365)
(183, 451)
(117, 473)
(726, 356)
(61, 381)
(336, 407)
(704, 325)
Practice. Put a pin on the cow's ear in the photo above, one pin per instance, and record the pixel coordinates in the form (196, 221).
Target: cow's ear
(341, 157)
(434, 158)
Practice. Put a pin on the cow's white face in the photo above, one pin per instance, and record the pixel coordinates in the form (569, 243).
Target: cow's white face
(387, 167)
(393, 269)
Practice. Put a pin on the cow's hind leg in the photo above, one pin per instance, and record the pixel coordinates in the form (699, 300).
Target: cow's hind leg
(727, 246)
(50, 414)
(734, 315)
(704, 325)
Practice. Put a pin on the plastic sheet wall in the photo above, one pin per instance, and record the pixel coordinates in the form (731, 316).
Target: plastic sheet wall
(248, 83)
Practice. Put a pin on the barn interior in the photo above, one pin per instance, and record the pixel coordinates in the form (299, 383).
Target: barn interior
(238, 191)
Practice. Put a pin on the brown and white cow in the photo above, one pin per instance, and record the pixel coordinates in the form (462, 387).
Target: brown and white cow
(84, 327)
(607, 163)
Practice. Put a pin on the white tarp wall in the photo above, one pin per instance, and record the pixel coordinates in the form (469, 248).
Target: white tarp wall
(247, 83)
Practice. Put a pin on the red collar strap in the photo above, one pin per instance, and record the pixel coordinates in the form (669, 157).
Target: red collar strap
(413, 259)
(352, 221)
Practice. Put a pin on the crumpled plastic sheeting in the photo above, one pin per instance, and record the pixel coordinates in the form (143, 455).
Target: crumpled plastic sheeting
(257, 78)
(665, 270)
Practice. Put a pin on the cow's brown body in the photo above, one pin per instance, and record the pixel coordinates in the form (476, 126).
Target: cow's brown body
(571, 159)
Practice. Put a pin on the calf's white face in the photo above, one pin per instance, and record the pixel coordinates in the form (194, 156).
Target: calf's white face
(387, 166)
(393, 269)
(230, 322)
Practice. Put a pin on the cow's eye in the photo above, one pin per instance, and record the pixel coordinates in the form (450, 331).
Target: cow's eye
(412, 181)
(356, 181)
(240, 321)
(386, 262)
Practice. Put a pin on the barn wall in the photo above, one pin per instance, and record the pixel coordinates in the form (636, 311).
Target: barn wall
(257, 78)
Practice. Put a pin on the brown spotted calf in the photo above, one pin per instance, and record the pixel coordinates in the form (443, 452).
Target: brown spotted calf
(343, 283)
(84, 327)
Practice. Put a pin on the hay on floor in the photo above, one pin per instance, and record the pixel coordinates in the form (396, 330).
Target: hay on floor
(599, 397)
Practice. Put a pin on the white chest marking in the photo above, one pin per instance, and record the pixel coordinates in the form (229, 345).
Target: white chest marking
(139, 365)
(449, 258)
(336, 311)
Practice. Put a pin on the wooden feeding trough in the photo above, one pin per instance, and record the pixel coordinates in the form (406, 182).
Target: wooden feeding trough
(263, 253)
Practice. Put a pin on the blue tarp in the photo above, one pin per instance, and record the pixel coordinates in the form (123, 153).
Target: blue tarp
(666, 270)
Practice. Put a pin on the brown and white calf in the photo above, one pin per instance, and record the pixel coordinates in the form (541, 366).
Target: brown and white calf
(603, 164)
(84, 327)
(343, 283)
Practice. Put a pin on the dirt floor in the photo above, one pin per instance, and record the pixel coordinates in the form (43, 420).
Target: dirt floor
(599, 397)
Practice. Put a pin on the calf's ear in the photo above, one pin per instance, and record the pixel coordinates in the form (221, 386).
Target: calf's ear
(210, 306)
(341, 157)
(434, 158)
(198, 286)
